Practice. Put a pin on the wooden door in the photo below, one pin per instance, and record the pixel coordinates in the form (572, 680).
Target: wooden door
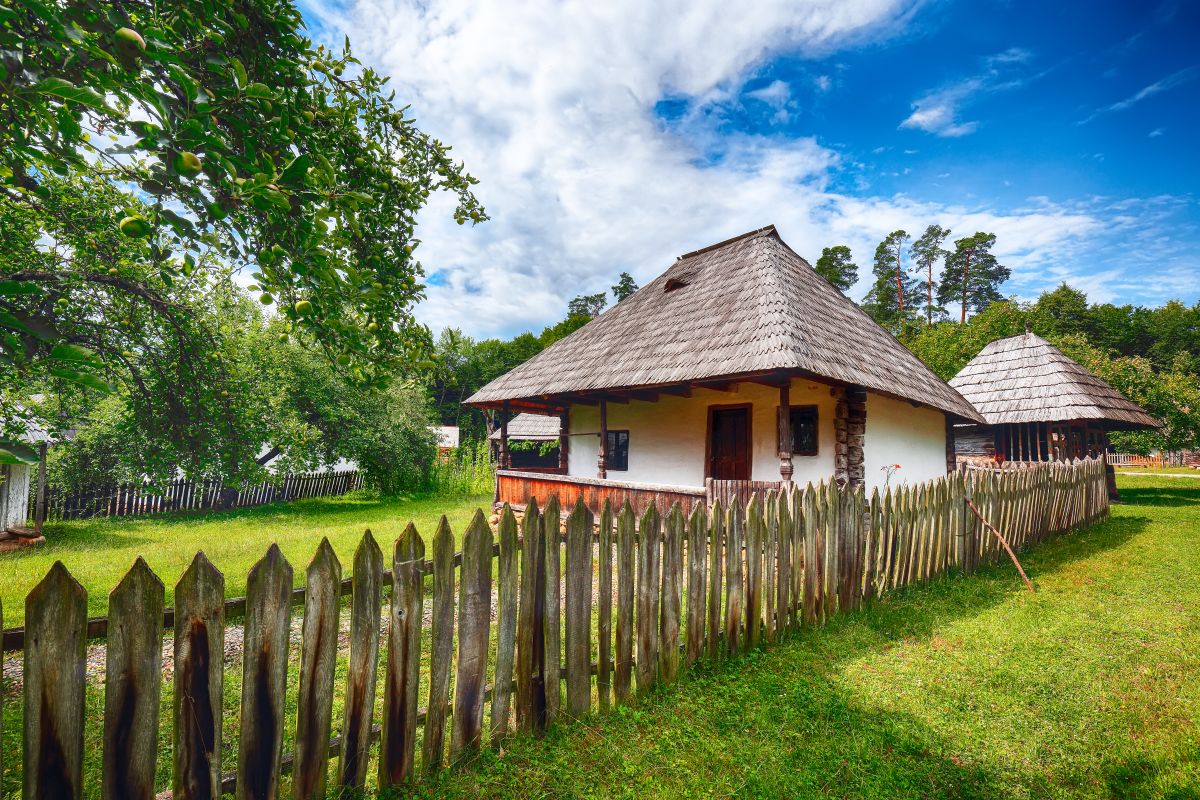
(729, 443)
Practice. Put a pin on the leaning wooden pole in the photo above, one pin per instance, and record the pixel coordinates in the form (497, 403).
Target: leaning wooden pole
(1003, 541)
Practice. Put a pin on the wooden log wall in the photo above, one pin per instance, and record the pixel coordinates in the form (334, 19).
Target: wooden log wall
(132, 499)
(672, 589)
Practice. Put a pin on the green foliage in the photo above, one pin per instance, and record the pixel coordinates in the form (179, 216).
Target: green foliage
(1171, 396)
(836, 265)
(890, 300)
(946, 347)
(972, 276)
(587, 305)
(624, 287)
(469, 471)
(251, 147)
(925, 253)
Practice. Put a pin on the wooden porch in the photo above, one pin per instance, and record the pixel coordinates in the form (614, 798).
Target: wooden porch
(518, 487)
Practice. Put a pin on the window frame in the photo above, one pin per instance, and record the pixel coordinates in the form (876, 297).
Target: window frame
(610, 449)
(816, 424)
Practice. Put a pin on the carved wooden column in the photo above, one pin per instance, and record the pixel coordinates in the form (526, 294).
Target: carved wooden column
(505, 460)
(951, 456)
(564, 440)
(856, 434)
(785, 432)
(602, 457)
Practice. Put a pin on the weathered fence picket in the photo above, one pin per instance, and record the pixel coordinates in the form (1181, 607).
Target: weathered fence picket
(474, 628)
(264, 676)
(398, 743)
(747, 573)
(441, 637)
(365, 615)
(132, 690)
(506, 624)
(318, 659)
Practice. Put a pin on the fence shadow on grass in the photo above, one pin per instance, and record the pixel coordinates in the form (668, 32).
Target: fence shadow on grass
(1160, 495)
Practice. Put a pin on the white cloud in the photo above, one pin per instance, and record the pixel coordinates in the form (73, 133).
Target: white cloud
(823, 83)
(1158, 87)
(552, 106)
(775, 94)
(937, 112)
(1154, 134)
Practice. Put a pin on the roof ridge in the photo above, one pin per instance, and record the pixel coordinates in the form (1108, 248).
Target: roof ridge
(747, 235)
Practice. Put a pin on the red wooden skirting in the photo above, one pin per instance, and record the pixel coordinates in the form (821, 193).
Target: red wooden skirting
(518, 487)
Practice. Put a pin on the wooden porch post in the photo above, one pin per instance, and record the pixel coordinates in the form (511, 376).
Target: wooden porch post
(39, 509)
(602, 458)
(505, 460)
(564, 440)
(785, 432)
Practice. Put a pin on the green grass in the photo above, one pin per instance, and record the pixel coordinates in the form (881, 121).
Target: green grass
(968, 688)
(99, 552)
(1181, 470)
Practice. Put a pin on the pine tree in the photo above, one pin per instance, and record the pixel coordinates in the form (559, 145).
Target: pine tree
(624, 287)
(972, 275)
(889, 300)
(835, 266)
(925, 252)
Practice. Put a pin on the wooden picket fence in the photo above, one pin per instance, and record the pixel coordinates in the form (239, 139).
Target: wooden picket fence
(130, 499)
(669, 590)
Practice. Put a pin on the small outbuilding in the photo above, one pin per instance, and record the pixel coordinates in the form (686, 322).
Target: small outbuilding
(1039, 405)
(738, 369)
(533, 442)
(16, 481)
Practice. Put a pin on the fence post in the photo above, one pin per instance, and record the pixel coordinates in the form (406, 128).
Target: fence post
(318, 661)
(397, 748)
(131, 687)
(474, 625)
(55, 641)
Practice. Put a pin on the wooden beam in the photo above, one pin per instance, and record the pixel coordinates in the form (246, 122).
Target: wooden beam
(682, 390)
(564, 440)
(602, 457)
(505, 460)
(785, 432)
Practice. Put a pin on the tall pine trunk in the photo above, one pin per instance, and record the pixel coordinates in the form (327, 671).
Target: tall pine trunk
(929, 290)
(899, 284)
(966, 277)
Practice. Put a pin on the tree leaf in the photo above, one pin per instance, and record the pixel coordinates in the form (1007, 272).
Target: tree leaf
(14, 452)
(10, 288)
(64, 89)
(73, 352)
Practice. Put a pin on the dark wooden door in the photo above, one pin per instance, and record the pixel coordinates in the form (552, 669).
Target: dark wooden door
(729, 444)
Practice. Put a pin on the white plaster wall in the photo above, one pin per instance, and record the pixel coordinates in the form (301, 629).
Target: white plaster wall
(14, 496)
(667, 437)
(900, 433)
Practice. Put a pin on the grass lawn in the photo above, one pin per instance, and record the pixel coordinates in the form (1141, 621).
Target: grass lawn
(98, 552)
(968, 688)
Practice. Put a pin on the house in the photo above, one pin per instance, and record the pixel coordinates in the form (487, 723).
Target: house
(738, 364)
(533, 442)
(1039, 405)
(447, 439)
(15, 480)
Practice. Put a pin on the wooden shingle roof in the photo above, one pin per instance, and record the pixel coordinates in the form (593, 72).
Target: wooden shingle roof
(1024, 378)
(746, 306)
(531, 427)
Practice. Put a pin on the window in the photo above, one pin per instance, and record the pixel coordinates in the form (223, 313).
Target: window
(616, 452)
(804, 430)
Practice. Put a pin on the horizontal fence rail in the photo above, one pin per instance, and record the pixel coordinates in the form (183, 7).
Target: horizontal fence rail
(131, 499)
(516, 638)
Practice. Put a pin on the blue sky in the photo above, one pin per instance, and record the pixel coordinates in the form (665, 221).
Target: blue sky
(615, 137)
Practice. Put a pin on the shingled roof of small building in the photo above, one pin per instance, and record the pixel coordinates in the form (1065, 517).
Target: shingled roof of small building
(1024, 378)
(531, 427)
(746, 306)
